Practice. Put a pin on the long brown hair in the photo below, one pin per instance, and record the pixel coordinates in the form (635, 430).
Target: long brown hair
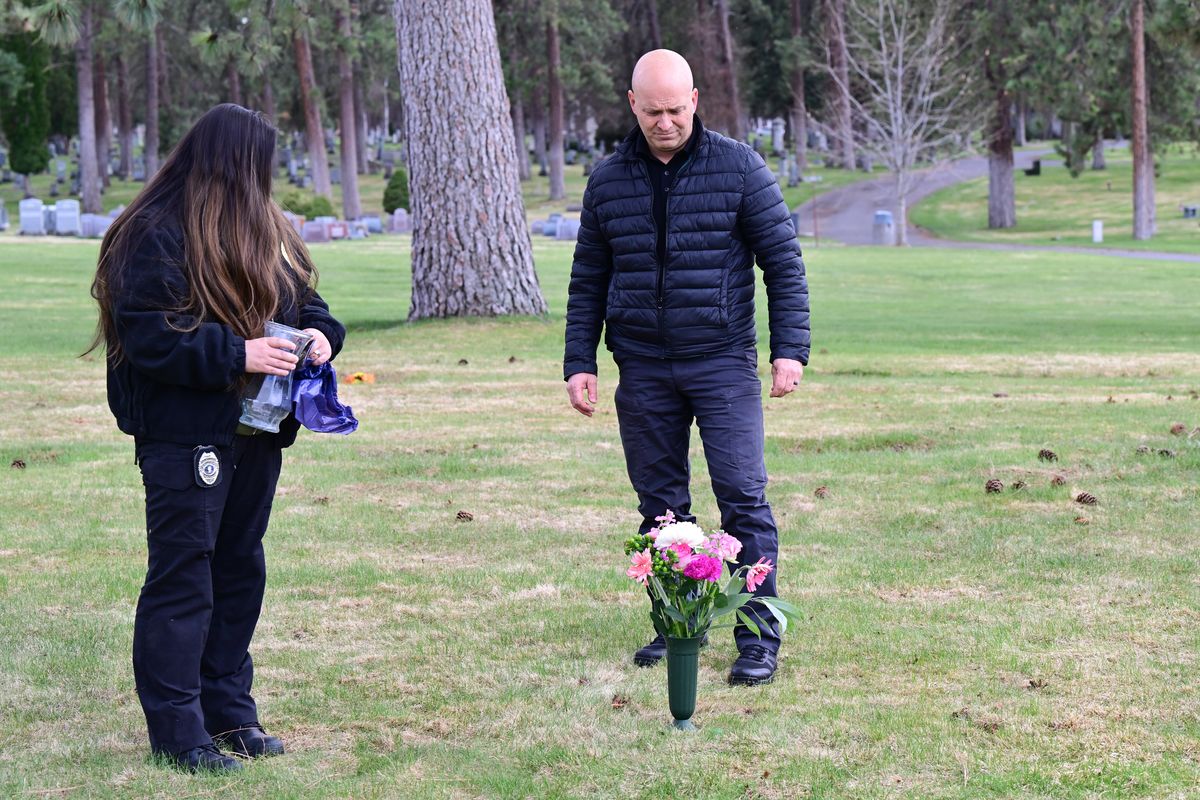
(216, 186)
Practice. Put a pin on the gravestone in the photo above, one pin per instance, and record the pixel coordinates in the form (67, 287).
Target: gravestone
(93, 226)
(374, 224)
(67, 218)
(401, 221)
(335, 176)
(315, 232)
(535, 227)
(139, 170)
(337, 230)
(49, 218)
(54, 190)
(568, 230)
(6, 176)
(358, 229)
(60, 170)
(793, 176)
(306, 182)
(116, 212)
(570, 156)
(777, 135)
(1190, 212)
(3, 216)
(32, 217)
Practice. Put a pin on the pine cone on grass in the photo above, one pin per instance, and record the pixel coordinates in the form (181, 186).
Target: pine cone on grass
(821, 493)
(1047, 455)
(1018, 486)
(1143, 449)
(1058, 480)
(1178, 429)
(994, 486)
(1086, 499)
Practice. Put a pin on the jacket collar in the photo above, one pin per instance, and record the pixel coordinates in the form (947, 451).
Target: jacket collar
(634, 143)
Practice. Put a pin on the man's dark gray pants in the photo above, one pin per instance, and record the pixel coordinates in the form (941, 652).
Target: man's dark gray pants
(657, 400)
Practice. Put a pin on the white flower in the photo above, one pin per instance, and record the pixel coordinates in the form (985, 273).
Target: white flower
(687, 532)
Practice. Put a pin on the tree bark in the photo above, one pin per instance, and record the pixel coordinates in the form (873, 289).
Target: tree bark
(1098, 162)
(164, 78)
(901, 210)
(150, 150)
(89, 177)
(124, 118)
(524, 171)
(1002, 201)
(1021, 114)
(1143, 167)
(268, 97)
(103, 118)
(729, 71)
(840, 65)
(233, 82)
(314, 133)
(799, 122)
(348, 121)
(554, 87)
(539, 139)
(361, 124)
(652, 22)
(471, 252)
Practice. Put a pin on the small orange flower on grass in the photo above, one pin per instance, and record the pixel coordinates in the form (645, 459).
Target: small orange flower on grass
(360, 377)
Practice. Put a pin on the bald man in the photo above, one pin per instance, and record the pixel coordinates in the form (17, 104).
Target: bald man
(671, 226)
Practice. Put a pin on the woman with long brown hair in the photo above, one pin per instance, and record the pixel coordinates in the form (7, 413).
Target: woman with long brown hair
(188, 277)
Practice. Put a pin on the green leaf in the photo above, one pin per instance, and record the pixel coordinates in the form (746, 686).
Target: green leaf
(728, 603)
(749, 623)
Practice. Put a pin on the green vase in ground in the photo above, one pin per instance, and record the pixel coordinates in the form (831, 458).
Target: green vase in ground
(683, 668)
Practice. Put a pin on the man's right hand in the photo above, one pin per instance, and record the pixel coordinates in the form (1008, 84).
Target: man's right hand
(581, 389)
(271, 355)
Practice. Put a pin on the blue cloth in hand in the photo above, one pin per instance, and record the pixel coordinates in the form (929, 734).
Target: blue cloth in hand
(314, 391)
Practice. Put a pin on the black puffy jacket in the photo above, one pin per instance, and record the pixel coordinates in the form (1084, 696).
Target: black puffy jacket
(182, 387)
(724, 210)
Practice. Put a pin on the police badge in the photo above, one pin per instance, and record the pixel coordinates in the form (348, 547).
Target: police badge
(208, 466)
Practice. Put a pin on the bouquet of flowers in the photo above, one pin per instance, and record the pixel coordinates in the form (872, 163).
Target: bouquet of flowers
(682, 567)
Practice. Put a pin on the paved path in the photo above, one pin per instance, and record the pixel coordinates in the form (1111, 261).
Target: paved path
(845, 214)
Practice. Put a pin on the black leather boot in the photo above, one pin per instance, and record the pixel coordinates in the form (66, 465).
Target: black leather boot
(250, 741)
(755, 665)
(205, 758)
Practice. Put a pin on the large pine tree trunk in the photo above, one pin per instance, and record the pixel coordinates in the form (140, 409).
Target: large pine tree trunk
(1098, 161)
(89, 175)
(103, 118)
(524, 170)
(471, 252)
(840, 65)
(799, 105)
(1143, 167)
(152, 84)
(314, 133)
(1002, 202)
(351, 208)
(554, 86)
(124, 118)
(737, 128)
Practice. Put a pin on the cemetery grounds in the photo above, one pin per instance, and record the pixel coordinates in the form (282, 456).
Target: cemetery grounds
(447, 616)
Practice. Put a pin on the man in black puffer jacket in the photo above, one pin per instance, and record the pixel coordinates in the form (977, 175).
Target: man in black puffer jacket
(671, 226)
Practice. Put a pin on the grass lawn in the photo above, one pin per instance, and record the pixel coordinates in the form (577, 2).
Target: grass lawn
(955, 644)
(1056, 209)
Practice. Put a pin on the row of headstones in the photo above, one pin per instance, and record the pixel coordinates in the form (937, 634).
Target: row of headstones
(564, 229)
(327, 229)
(61, 218)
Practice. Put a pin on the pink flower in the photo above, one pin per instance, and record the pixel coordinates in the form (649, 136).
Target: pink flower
(685, 554)
(666, 519)
(758, 573)
(704, 568)
(640, 568)
(723, 546)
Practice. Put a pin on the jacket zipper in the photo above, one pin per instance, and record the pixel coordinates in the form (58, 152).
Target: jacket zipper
(662, 265)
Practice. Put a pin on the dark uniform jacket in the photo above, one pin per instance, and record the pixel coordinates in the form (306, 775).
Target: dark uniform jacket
(183, 387)
(723, 210)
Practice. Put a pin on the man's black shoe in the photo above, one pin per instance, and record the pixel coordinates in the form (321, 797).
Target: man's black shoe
(754, 666)
(653, 653)
(205, 758)
(250, 741)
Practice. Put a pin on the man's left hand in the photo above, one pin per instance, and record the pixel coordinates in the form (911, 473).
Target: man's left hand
(785, 376)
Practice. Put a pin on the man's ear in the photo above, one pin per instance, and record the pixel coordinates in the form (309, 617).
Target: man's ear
(632, 102)
(695, 98)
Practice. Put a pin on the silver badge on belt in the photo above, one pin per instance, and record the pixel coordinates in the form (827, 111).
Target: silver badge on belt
(208, 468)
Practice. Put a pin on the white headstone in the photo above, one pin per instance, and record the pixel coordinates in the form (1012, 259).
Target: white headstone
(67, 218)
(3, 217)
(33, 219)
(568, 230)
(1097, 231)
(401, 221)
(93, 226)
(777, 129)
